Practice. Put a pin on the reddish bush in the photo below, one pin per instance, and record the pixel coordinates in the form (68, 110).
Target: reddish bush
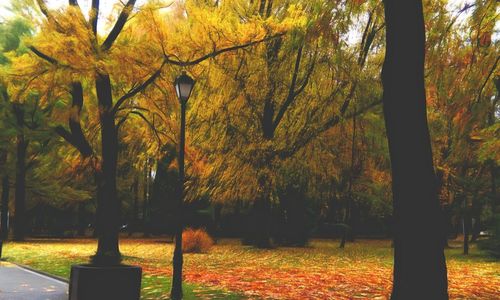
(196, 241)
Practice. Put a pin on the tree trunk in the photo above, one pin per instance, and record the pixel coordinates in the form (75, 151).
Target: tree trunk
(4, 213)
(348, 220)
(419, 262)
(135, 211)
(467, 225)
(262, 219)
(146, 202)
(107, 202)
(476, 227)
(81, 219)
(20, 189)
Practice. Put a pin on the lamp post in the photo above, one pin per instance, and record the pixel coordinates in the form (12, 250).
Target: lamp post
(183, 87)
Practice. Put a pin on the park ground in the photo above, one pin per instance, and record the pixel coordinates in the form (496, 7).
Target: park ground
(362, 270)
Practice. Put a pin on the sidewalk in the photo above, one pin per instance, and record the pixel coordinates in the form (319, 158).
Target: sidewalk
(17, 283)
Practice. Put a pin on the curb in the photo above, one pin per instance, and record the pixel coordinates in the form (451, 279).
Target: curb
(61, 279)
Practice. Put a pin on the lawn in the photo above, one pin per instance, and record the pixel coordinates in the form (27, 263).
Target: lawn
(230, 271)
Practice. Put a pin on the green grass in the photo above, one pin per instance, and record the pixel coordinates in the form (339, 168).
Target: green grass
(43, 255)
(231, 271)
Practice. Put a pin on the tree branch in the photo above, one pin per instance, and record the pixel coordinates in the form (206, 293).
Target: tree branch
(94, 15)
(286, 153)
(122, 19)
(291, 91)
(487, 79)
(44, 9)
(138, 89)
(43, 55)
(76, 137)
(217, 52)
(46, 13)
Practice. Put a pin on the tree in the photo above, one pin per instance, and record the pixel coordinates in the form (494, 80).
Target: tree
(12, 32)
(459, 76)
(268, 105)
(419, 262)
(99, 63)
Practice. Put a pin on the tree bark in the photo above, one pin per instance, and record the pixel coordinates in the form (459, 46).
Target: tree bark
(81, 219)
(107, 202)
(4, 213)
(146, 201)
(20, 185)
(4, 226)
(419, 262)
(467, 224)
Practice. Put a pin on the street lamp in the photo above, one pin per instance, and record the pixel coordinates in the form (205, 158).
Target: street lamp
(183, 87)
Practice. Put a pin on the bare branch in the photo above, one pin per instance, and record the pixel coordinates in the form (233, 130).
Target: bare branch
(480, 94)
(285, 153)
(217, 52)
(76, 136)
(43, 55)
(291, 92)
(44, 9)
(122, 19)
(138, 89)
(94, 15)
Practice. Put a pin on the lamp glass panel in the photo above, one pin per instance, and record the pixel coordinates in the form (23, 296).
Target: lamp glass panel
(184, 90)
(177, 91)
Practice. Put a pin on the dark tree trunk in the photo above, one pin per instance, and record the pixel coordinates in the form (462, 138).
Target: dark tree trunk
(476, 228)
(107, 203)
(343, 239)
(4, 215)
(135, 211)
(467, 224)
(20, 186)
(146, 202)
(176, 291)
(261, 233)
(81, 219)
(261, 237)
(495, 200)
(419, 262)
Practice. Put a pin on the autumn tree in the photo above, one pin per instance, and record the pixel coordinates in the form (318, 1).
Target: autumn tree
(99, 63)
(460, 69)
(267, 105)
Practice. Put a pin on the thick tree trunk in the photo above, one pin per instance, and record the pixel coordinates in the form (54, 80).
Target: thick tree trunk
(81, 219)
(20, 189)
(495, 200)
(262, 216)
(419, 262)
(4, 215)
(107, 203)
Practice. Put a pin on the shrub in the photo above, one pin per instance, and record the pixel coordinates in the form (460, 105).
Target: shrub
(196, 241)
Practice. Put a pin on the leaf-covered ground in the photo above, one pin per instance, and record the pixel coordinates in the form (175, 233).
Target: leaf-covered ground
(230, 271)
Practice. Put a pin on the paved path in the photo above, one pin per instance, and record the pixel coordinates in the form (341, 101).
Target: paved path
(17, 283)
